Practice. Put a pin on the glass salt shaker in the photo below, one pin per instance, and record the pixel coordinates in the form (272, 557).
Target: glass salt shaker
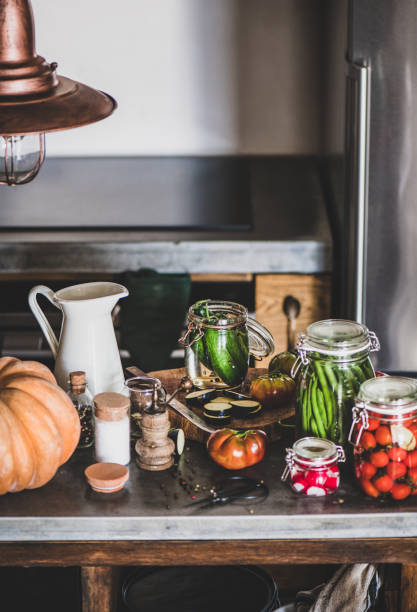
(312, 465)
(83, 402)
(112, 430)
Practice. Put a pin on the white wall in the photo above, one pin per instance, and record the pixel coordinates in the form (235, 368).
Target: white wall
(190, 76)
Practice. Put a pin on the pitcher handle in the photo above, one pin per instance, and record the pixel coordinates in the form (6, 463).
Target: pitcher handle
(40, 316)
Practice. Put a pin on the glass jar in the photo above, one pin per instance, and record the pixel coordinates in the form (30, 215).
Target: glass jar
(83, 403)
(219, 339)
(334, 360)
(111, 423)
(384, 433)
(312, 465)
(141, 392)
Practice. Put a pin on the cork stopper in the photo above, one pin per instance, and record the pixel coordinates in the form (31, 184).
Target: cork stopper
(77, 379)
(111, 406)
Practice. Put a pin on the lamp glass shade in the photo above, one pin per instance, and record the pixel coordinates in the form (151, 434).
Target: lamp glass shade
(21, 157)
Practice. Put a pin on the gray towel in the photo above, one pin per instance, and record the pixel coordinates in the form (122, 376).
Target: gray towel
(353, 588)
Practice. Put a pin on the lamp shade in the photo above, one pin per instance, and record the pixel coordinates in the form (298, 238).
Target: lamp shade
(33, 97)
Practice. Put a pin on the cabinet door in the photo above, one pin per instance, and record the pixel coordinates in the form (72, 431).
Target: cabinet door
(313, 292)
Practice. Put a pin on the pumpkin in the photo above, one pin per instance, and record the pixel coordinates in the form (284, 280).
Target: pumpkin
(39, 426)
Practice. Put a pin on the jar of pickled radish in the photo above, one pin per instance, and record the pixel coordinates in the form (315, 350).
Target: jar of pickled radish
(384, 434)
(312, 466)
(334, 359)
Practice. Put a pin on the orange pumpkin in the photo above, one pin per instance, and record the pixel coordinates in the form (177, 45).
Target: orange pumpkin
(39, 426)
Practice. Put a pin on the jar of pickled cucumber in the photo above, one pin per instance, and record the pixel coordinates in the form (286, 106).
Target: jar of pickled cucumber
(334, 360)
(219, 339)
(384, 434)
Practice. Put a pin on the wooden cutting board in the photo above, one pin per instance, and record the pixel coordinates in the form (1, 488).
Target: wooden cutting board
(268, 420)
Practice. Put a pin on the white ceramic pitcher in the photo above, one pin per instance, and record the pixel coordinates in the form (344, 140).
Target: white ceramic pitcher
(87, 341)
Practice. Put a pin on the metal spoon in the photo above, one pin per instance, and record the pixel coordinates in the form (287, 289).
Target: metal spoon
(291, 308)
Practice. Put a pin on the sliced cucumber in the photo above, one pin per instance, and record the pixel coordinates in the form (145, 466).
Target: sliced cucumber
(244, 409)
(198, 397)
(235, 395)
(217, 419)
(251, 404)
(221, 398)
(218, 408)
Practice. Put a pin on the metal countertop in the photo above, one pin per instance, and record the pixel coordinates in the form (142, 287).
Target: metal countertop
(153, 507)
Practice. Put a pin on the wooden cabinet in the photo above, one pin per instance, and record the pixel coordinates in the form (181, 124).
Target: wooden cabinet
(313, 292)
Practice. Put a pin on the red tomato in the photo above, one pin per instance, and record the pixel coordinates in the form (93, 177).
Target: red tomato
(412, 473)
(411, 459)
(235, 450)
(383, 435)
(413, 429)
(396, 470)
(383, 483)
(373, 424)
(400, 491)
(369, 488)
(397, 454)
(367, 470)
(379, 458)
(367, 440)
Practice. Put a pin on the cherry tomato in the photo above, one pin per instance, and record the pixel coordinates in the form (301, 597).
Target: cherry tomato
(373, 424)
(397, 454)
(367, 440)
(383, 483)
(411, 459)
(369, 488)
(412, 474)
(383, 435)
(379, 458)
(367, 470)
(396, 470)
(400, 491)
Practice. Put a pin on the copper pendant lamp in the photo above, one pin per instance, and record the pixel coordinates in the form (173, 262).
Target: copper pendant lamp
(34, 99)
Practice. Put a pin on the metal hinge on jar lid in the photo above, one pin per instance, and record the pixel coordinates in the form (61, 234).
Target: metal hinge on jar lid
(360, 415)
(289, 460)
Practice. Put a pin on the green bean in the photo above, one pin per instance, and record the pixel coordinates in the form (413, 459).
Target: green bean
(304, 414)
(314, 427)
(309, 412)
(320, 403)
(316, 411)
(368, 369)
(358, 373)
(326, 392)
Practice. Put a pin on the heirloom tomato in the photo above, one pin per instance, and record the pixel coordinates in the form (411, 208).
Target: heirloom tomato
(235, 450)
(273, 390)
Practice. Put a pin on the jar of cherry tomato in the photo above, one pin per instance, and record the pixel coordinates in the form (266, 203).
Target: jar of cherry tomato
(334, 357)
(384, 433)
(312, 465)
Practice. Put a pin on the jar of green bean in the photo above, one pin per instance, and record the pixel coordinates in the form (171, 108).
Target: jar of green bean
(334, 359)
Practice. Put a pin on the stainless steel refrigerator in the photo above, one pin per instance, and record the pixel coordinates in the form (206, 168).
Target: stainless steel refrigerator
(377, 246)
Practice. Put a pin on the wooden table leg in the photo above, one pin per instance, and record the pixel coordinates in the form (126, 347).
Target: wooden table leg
(409, 588)
(99, 586)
